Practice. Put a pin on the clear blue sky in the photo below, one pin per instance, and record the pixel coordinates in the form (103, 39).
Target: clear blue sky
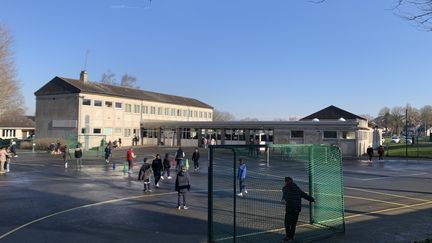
(264, 59)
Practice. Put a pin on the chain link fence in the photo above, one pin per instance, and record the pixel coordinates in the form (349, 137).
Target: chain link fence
(258, 214)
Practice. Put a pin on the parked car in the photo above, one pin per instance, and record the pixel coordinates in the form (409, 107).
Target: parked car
(408, 140)
(395, 139)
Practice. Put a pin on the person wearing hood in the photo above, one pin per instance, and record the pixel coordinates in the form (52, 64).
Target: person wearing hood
(182, 186)
(166, 167)
(292, 196)
(145, 174)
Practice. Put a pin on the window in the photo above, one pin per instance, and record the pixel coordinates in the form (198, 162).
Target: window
(97, 131)
(166, 111)
(128, 107)
(9, 133)
(86, 102)
(297, 134)
(205, 114)
(136, 108)
(210, 115)
(118, 130)
(98, 103)
(108, 104)
(83, 131)
(195, 114)
(107, 131)
(145, 109)
(152, 110)
(159, 111)
(118, 105)
(200, 114)
(173, 112)
(178, 112)
(184, 112)
(330, 134)
(348, 135)
(190, 113)
(127, 132)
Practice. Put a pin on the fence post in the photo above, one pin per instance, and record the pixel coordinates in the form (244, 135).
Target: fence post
(210, 197)
(235, 197)
(311, 164)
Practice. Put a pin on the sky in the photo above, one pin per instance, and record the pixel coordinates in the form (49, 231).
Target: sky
(274, 59)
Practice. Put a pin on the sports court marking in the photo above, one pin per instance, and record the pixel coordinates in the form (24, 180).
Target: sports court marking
(80, 207)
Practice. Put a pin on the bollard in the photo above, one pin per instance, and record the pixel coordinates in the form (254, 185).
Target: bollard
(114, 165)
(124, 168)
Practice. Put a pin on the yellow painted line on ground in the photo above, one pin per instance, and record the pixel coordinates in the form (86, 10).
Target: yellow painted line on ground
(389, 209)
(80, 207)
(376, 200)
(386, 194)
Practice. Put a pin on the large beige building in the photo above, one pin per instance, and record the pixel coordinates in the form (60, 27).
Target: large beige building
(88, 111)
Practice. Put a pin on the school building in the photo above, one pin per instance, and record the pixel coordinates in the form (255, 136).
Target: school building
(89, 111)
(78, 109)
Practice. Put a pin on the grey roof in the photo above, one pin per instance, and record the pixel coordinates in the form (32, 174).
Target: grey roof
(61, 85)
(332, 113)
(18, 122)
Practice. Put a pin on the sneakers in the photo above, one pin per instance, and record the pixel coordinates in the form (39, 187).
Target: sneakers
(185, 207)
(240, 194)
(157, 185)
(245, 191)
(162, 178)
(66, 165)
(169, 177)
(178, 207)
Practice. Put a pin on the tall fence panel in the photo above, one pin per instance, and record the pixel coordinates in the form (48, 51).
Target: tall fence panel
(257, 214)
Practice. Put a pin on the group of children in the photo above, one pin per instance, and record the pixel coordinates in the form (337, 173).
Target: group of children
(159, 169)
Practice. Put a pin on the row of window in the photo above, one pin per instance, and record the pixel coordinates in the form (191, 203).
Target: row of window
(126, 132)
(150, 109)
(326, 134)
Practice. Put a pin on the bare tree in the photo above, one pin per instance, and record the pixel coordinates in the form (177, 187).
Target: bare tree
(397, 117)
(426, 116)
(417, 11)
(108, 78)
(11, 100)
(413, 116)
(128, 81)
(383, 119)
(222, 116)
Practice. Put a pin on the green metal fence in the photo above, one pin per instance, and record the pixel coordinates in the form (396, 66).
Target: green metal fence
(258, 215)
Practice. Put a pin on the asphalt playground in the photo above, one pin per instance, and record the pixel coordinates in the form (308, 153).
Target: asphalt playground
(41, 201)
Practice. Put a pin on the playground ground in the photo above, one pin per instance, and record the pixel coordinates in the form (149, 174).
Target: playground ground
(41, 201)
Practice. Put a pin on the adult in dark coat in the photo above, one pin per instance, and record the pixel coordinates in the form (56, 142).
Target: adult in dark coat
(157, 169)
(292, 196)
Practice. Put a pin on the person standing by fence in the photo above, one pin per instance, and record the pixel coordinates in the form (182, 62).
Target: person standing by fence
(241, 175)
(292, 196)
(65, 153)
(380, 152)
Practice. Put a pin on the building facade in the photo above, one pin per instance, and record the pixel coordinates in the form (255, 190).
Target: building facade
(89, 112)
(331, 125)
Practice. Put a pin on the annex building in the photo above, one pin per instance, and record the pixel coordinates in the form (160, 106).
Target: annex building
(88, 111)
(330, 125)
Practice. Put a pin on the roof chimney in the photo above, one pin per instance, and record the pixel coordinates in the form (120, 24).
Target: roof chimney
(84, 76)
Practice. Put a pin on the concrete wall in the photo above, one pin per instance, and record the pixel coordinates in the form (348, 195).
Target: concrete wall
(56, 109)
